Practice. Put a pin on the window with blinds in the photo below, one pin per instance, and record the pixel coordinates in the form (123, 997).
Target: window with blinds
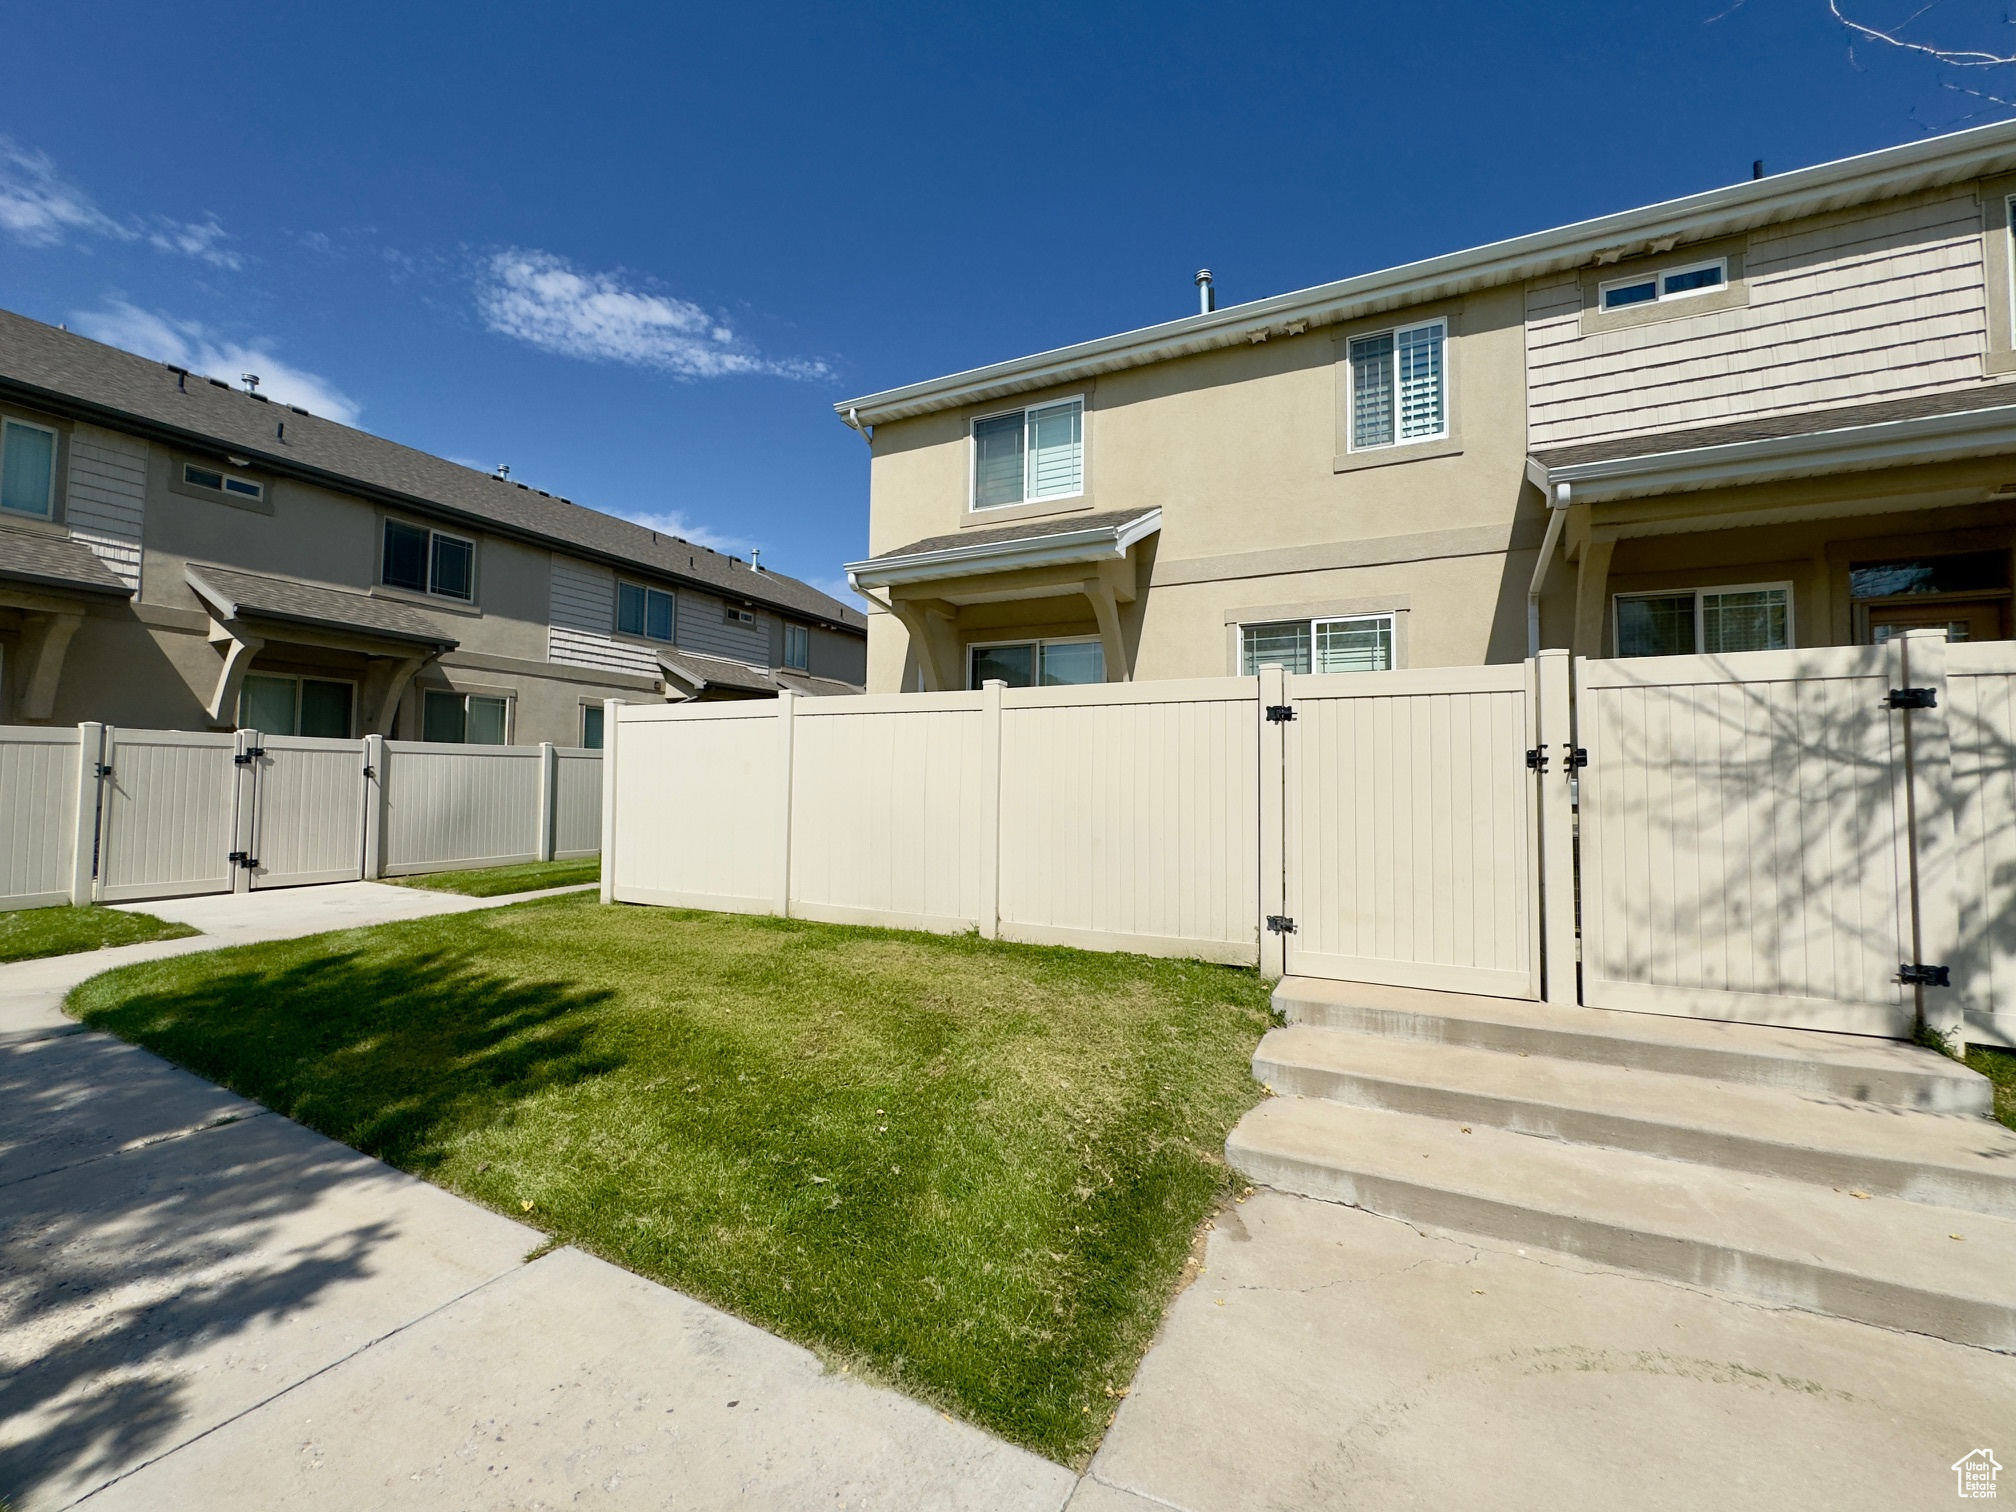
(1036, 453)
(1399, 389)
(1353, 643)
(1747, 617)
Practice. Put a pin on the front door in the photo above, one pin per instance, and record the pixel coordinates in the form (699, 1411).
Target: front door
(1962, 621)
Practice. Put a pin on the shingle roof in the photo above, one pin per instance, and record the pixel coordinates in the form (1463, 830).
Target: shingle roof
(1111, 519)
(724, 672)
(28, 556)
(1771, 427)
(233, 594)
(39, 360)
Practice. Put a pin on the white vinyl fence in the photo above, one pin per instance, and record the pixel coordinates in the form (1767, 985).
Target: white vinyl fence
(99, 814)
(1819, 839)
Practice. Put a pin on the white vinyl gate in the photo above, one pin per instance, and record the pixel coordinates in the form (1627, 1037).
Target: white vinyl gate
(1412, 844)
(305, 800)
(170, 806)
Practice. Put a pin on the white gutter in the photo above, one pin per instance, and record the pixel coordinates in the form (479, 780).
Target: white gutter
(1954, 158)
(1103, 543)
(1557, 512)
(1859, 448)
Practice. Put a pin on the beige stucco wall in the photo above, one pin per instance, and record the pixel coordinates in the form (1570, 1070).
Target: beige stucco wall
(1261, 512)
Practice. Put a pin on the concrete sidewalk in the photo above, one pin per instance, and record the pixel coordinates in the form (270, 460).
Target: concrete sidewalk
(205, 1305)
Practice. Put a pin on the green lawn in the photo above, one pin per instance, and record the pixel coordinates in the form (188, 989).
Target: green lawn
(970, 1169)
(495, 881)
(1999, 1066)
(28, 933)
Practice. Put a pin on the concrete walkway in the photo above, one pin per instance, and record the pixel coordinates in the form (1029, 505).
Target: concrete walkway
(205, 1305)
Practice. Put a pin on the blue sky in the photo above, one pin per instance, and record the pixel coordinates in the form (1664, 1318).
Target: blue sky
(637, 252)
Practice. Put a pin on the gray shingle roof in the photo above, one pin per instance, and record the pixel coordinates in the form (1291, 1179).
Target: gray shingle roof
(233, 594)
(52, 561)
(1111, 519)
(1772, 427)
(724, 672)
(39, 360)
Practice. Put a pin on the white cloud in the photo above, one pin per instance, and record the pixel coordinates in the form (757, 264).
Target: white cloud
(674, 523)
(189, 345)
(542, 299)
(39, 207)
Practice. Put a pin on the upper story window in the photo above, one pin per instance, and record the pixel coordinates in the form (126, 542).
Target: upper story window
(1668, 283)
(428, 561)
(644, 611)
(798, 646)
(1027, 454)
(1353, 643)
(736, 614)
(222, 482)
(28, 469)
(1399, 386)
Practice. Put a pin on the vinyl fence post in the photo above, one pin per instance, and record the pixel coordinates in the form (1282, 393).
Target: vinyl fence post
(1273, 828)
(787, 707)
(1555, 738)
(374, 807)
(84, 822)
(612, 731)
(1928, 767)
(549, 794)
(990, 799)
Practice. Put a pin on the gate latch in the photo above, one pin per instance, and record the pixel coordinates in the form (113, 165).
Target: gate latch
(1280, 713)
(1912, 698)
(1536, 759)
(247, 756)
(1280, 924)
(244, 859)
(103, 771)
(1925, 976)
(1579, 757)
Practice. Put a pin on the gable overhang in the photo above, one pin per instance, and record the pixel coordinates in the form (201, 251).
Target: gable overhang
(1955, 158)
(1105, 543)
(1920, 441)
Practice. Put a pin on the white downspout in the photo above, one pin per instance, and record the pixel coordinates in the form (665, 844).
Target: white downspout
(1557, 511)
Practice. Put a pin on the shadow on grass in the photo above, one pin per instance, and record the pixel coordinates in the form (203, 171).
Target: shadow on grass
(122, 1266)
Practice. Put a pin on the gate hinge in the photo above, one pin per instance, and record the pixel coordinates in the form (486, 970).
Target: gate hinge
(103, 771)
(244, 859)
(247, 756)
(1925, 976)
(1280, 924)
(369, 770)
(1280, 713)
(1579, 757)
(1912, 698)
(1536, 759)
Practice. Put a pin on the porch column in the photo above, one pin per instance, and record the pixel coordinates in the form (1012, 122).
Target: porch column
(239, 648)
(391, 679)
(1592, 594)
(929, 624)
(47, 641)
(1106, 609)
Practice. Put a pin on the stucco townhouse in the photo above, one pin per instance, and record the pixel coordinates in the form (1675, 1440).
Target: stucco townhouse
(179, 552)
(1777, 414)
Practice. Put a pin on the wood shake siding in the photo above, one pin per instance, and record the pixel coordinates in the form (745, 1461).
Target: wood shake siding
(106, 497)
(583, 619)
(1866, 305)
(704, 627)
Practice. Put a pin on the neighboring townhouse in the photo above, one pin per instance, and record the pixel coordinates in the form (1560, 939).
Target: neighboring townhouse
(1778, 414)
(176, 552)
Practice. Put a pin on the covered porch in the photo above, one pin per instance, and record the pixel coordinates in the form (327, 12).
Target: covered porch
(1830, 528)
(1029, 605)
(48, 584)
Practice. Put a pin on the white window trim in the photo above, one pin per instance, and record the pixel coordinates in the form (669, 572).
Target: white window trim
(616, 613)
(1657, 279)
(55, 451)
(297, 678)
(432, 533)
(1038, 641)
(226, 476)
(804, 631)
(1791, 623)
(1352, 448)
(1390, 616)
(973, 460)
(509, 700)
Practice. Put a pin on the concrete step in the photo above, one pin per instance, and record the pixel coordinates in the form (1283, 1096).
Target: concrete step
(1848, 1066)
(1875, 1260)
(1957, 1160)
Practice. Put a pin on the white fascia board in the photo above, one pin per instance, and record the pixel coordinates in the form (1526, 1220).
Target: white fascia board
(1861, 448)
(219, 603)
(1979, 152)
(1106, 543)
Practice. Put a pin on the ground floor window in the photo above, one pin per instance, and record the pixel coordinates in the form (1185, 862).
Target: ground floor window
(1747, 617)
(1032, 664)
(591, 726)
(277, 705)
(464, 718)
(1347, 643)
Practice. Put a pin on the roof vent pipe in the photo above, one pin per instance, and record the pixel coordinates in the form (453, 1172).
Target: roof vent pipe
(1207, 297)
